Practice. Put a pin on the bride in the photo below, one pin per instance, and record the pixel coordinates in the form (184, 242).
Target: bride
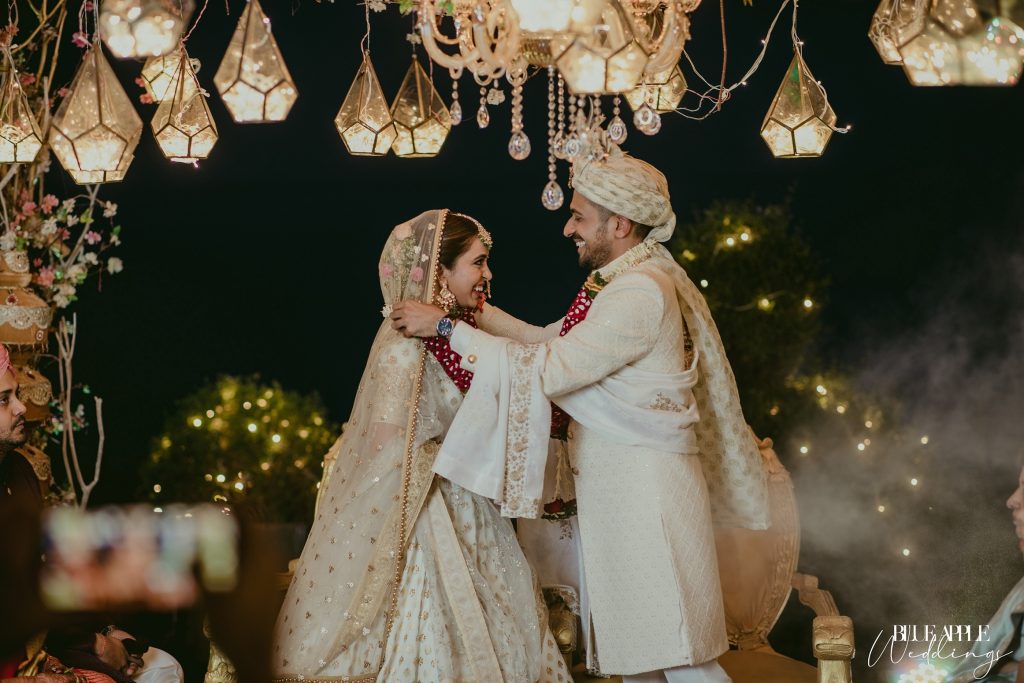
(406, 576)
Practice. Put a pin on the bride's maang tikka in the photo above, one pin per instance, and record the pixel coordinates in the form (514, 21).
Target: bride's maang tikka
(485, 236)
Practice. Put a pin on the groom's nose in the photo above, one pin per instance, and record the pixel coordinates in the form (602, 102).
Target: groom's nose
(567, 231)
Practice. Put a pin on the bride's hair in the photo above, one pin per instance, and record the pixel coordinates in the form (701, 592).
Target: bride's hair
(459, 231)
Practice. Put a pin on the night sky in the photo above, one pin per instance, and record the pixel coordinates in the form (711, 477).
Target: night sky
(264, 259)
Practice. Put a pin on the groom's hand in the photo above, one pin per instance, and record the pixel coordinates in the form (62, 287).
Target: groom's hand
(416, 319)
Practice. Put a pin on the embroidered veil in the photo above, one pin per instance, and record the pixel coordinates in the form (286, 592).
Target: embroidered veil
(376, 476)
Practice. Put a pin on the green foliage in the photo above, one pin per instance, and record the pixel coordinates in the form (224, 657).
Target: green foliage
(241, 439)
(764, 288)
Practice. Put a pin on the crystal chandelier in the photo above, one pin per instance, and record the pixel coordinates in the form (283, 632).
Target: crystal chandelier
(183, 125)
(957, 42)
(20, 139)
(143, 28)
(421, 119)
(364, 120)
(599, 53)
(252, 79)
(95, 129)
(800, 121)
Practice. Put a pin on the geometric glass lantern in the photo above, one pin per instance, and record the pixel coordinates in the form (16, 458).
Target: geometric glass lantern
(364, 120)
(889, 23)
(183, 125)
(421, 118)
(600, 53)
(956, 44)
(158, 75)
(143, 28)
(800, 121)
(252, 79)
(662, 92)
(95, 129)
(20, 139)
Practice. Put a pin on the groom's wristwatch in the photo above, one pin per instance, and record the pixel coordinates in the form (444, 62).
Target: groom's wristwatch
(444, 327)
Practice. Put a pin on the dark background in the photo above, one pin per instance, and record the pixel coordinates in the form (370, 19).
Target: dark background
(264, 259)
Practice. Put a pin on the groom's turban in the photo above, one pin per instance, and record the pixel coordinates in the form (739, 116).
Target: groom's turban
(5, 360)
(629, 187)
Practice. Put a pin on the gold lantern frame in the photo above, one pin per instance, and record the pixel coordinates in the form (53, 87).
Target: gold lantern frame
(183, 125)
(799, 110)
(358, 122)
(421, 118)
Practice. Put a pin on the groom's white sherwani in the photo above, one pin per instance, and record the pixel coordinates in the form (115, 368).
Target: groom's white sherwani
(644, 512)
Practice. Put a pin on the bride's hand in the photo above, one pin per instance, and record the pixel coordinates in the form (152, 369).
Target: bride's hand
(416, 319)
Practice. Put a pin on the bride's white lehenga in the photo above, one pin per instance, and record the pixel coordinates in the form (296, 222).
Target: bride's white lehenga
(466, 607)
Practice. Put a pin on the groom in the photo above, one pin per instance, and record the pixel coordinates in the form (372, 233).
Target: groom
(657, 444)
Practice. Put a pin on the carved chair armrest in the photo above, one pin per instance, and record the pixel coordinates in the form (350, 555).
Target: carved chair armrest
(833, 644)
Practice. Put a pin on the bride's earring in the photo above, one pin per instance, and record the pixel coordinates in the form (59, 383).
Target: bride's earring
(445, 299)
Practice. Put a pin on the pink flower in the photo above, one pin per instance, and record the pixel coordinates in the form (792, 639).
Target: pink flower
(63, 92)
(93, 237)
(65, 234)
(146, 98)
(49, 203)
(45, 276)
(386, 269)
(416, 275)
(27, 79)
(28, 207)
(80, 39)
(139, 82)
(37, 262)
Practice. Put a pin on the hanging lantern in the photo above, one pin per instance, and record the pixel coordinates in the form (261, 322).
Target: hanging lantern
(20, 139)
(143, 28)
(421, 119)
(95, 129)
(158, 75)
(800, 121)
(955, 43)
(183, 125)
(891, 20)
(662, 92)
(599, 54)
(364, 120)
(252, 79)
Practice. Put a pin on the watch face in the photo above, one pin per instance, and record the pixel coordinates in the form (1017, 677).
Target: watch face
(444, 327)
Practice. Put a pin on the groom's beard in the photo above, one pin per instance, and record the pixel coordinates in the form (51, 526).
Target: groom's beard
(596, 253)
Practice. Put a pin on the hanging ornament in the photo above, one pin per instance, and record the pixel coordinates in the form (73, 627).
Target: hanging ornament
(959, 43)
(617, 132)
(95, 129)
(456, 108)
(420, 117)
(890, 22)
(646, 120)
(551, 197)
(519, 143)
(364, 120)
(159, 74)
(800, 121)
(663, 29)
(20, 139)
(599, 54)
(143, 28)
(559, 146)
(183, 125)
(252, 79)
(662, 92)
(483, 117)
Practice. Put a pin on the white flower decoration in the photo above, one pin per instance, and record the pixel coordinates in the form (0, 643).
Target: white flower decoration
(114, 265)
(495, 96)
(413, 38)
(377, 5)
(109, 209)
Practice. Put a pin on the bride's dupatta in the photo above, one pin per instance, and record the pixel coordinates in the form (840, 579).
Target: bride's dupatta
(339, 609)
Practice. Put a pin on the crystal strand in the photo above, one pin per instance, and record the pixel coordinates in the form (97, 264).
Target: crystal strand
(572, 140)
(552, 197)
(456, 110)
(483, 117)
(519, 143)
(560, 136)
(646, 120)
(617, 127)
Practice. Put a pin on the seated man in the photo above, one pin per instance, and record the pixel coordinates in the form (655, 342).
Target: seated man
(152, 665)
(98, 657)
(1000, 658)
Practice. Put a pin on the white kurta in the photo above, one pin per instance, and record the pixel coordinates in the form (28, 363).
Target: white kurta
(644, 516)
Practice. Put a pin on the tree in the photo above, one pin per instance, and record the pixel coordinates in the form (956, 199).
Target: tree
(240, 439)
